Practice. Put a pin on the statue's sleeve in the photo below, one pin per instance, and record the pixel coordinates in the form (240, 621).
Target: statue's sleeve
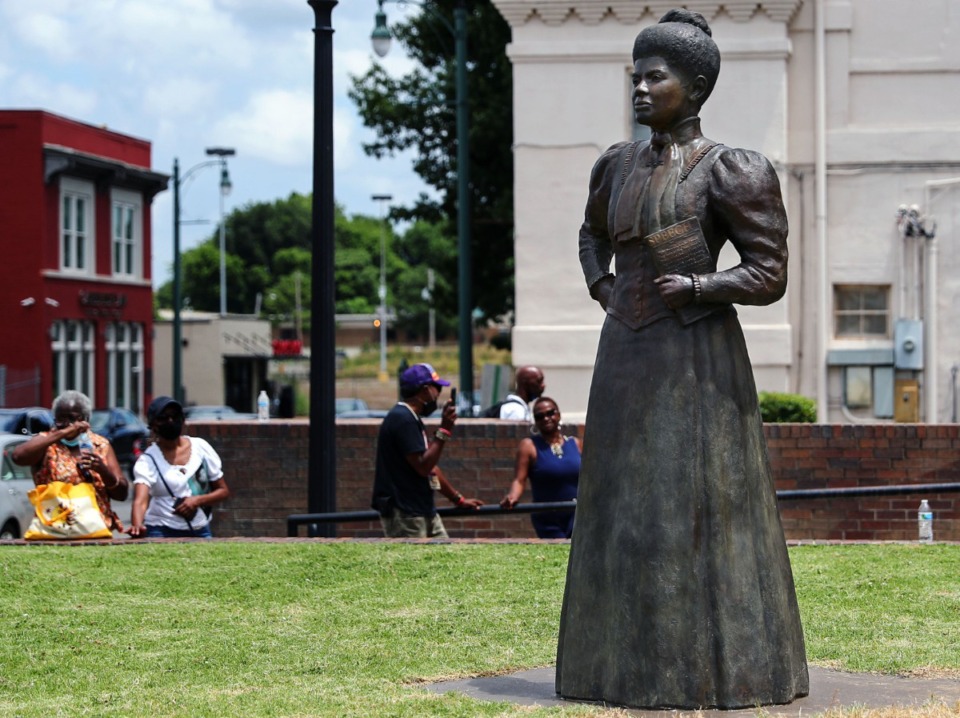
(747, 208)
(596, 251)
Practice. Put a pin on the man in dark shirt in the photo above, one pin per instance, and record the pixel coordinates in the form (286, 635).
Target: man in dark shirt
(407, 473)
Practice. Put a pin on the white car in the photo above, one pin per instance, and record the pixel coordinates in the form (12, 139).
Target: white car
(16, 511)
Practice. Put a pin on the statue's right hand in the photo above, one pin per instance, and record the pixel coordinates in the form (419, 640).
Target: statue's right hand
(604, 290)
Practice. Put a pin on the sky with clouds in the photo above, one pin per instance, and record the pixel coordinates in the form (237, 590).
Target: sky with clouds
(192, 74)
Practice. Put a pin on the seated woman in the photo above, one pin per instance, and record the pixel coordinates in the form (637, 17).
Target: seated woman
(552, 463)
(176, 481)
(57, 455)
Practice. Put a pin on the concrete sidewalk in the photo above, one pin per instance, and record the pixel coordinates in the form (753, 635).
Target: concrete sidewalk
(828, 689)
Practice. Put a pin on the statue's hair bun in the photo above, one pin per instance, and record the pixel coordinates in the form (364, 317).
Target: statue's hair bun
(688, 17)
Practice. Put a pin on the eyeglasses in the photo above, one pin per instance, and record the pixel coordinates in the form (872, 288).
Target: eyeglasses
(540, 416)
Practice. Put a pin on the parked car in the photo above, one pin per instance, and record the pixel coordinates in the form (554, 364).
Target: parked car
(27, 421)
(127, 434)
(350, 403)
(16, 511)
(363, 414)
(215, 413)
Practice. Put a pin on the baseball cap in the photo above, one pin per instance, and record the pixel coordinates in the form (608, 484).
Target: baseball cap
(418, 375)
(159, 404)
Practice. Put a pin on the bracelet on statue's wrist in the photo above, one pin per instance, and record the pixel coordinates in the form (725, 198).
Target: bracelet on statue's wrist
(697, 288)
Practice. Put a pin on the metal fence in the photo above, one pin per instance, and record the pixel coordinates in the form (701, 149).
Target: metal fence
(19, 387)
(294, 521)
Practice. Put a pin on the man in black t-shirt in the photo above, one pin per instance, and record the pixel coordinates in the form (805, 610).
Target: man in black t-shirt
(407, 473)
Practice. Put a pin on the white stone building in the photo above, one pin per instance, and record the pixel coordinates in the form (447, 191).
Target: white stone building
(856, 103)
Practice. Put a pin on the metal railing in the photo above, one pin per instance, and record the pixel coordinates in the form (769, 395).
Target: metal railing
(852, 491)
(294, 521)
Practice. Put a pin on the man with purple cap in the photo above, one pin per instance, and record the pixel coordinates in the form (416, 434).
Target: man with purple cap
(407, 473)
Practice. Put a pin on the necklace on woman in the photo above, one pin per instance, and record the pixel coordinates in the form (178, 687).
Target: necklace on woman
(557, 447)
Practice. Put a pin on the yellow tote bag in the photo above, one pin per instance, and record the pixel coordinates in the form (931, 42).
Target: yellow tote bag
(66, 511)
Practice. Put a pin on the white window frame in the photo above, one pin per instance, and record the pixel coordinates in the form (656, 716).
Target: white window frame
(73, 357)
(125, 365)
(126, 240)
(77, 244)
(861, 312)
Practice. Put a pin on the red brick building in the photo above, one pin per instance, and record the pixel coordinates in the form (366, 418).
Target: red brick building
(75, 291)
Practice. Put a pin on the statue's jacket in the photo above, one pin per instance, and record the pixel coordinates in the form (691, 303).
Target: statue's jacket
(735, 195)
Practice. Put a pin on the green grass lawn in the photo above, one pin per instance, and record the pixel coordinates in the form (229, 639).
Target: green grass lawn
(343, 629)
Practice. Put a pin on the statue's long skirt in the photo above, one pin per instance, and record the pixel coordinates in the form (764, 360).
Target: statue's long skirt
(679, 591)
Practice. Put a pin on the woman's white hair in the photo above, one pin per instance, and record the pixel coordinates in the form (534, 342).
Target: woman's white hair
(73, 398)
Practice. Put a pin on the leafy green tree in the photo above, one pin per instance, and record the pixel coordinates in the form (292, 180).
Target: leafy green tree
(422, 247)
(201, 279)
(417, 112)
(259, 230)
(255, 234)
(292, 278)
(285, 226)
(357, 263)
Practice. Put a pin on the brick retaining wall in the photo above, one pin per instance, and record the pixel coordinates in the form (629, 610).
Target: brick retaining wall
(266, 468)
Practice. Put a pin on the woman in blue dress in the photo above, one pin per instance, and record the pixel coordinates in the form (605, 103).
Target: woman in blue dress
(552, 463)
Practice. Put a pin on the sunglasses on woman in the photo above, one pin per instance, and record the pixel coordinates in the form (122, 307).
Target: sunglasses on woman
(540, 416)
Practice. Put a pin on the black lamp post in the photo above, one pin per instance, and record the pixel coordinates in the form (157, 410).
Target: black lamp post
(380, 38)
(322, 467)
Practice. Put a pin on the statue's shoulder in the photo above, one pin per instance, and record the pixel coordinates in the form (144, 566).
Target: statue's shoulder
(617, 149)
(740, 178)
(610, 164)
(737, 158)
(740, 169)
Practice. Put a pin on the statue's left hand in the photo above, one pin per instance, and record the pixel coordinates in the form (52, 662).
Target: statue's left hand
(676, 290)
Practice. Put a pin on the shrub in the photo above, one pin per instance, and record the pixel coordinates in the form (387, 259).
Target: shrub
(777, 408)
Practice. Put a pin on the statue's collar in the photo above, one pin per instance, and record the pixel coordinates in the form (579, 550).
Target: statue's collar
(680, 134)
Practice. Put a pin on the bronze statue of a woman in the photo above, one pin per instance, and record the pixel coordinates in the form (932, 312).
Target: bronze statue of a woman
(679, 590)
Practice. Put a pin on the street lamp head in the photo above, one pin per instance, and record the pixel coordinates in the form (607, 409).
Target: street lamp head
(380, 37)
(225, 184)
(221, 151)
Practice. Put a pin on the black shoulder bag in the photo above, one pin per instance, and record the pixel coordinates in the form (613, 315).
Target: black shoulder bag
(177, 499)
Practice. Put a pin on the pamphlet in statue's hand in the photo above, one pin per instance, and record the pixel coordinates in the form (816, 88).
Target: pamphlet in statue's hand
(680, 249)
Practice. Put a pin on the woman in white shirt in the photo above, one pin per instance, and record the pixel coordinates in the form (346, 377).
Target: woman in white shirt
(176, 481)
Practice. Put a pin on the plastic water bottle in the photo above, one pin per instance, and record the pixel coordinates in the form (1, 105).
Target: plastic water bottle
(263, 406)
(925, 522)
(86, 447)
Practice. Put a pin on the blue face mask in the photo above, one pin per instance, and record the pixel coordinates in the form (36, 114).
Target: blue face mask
(71, 442)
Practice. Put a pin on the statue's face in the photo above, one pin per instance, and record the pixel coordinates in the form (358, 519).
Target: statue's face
(660, 95)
